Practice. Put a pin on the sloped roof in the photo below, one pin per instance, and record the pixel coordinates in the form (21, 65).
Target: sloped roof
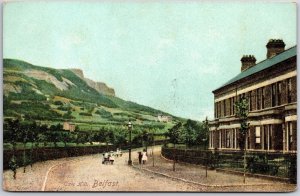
(263, 65)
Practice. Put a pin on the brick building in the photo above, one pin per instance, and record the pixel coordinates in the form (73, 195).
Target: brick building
(67, 126)
(270, 88)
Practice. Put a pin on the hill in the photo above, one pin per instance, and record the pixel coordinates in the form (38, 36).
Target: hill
(58, 95)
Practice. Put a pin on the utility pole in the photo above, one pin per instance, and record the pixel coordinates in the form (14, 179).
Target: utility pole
(153, 147)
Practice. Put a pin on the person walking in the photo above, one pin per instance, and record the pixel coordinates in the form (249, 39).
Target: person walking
(105, 161)
(140, 157)
(144, 157)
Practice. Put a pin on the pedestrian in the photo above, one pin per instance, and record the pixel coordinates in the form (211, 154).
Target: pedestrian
(105, 161)
(103, 158)
(140, 157)
(111, 158)
(117, 152)
(144, 157)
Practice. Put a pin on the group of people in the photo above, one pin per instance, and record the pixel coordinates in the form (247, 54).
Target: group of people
(142, 157)
(109, 157)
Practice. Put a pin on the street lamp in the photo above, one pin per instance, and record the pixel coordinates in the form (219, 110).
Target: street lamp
(129, 151)
(153, 144)
(206, 157)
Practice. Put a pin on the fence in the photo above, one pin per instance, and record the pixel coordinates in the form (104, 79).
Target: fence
(279, 165)
(50, 153)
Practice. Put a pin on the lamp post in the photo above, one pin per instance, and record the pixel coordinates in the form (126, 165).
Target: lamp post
(129, 150)
(153, 144)
(205, 144)
(206, 157)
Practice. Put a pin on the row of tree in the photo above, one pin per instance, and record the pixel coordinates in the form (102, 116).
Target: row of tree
(191, 133)
(33, 135)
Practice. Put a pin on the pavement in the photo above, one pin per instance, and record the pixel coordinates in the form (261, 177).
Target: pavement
(87, 173)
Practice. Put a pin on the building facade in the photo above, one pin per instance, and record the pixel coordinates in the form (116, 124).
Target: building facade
(67, 126)
(163, 118)
(271, 91)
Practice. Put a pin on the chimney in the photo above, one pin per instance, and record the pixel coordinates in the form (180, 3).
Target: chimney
(247, 62)
(275, 46)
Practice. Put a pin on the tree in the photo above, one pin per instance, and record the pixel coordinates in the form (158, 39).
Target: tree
(13, 166)
(146, 138)
(25, 138)
(120, 138)
(12, 128)
(32, 137)
(42, 136)
(174, 134)
(54, 135)
(190, 132)
(64, 137)
(242, 113)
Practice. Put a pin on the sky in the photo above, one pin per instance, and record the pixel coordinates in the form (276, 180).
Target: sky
(166, 55)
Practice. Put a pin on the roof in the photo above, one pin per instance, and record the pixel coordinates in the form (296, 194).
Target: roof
(263, 65)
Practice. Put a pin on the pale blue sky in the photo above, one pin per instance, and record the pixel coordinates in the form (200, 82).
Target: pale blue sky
(169, 56)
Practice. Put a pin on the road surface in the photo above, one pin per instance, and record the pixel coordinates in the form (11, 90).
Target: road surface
(87, 173)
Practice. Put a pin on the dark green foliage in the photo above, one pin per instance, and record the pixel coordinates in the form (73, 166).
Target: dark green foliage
(34, 110)
(27, 93)
(193, 133)
(103, 113)
(58, 103)
(80, 94)
(68, 115)
(13, 166)
(292, 174)
(64, 108)
(242, 113)
(174, 133)
(85, 114)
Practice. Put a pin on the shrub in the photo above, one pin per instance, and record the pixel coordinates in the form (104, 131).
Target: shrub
(58, 103)
(85, 114)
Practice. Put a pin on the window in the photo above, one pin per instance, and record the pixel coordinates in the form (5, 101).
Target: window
(278, 93)
(289, 90)
(273, 95)
(291, 132)
(227, 139)
(290, 135)
(215, 110)
(219, 105)
(250, 101)
(262, 98)
(224, 107)
(258, 99)
(257, 135)
(270, 137)
(230, 107)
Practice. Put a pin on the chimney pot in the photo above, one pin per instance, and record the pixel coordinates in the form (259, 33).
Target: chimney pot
(274, 47)
(247, 62)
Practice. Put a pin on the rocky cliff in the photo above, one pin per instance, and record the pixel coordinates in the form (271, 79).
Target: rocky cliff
(98, 86)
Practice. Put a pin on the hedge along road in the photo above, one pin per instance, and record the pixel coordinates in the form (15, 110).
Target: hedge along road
(87, 173)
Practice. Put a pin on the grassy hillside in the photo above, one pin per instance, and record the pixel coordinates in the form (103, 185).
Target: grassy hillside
(57, 95)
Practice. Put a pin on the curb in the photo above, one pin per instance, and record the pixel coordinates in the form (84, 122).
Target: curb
(198, 183)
